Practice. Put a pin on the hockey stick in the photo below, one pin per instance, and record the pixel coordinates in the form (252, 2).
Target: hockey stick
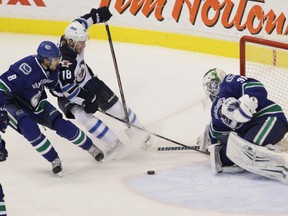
(117, 74)
(157, 135)
(176, 148)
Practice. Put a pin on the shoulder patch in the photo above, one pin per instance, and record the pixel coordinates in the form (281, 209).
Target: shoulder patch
(25, 68)
(229, 77)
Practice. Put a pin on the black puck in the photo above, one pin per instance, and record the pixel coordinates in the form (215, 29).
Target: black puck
(150, 172)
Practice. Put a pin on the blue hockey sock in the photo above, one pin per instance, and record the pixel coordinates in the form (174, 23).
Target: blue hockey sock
(32, 133)
(69, 131)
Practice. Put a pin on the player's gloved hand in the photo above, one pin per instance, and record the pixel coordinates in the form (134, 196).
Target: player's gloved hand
(3, 151)
(4, 119)
(90, 104)
(100, 15)
(229, 106)
(247, 108)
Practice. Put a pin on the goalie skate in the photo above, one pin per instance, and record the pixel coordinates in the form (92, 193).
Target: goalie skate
(260, 160)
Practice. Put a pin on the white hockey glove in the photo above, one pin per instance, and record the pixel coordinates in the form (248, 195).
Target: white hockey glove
(228, 107)
(247, 108)
(238, 111)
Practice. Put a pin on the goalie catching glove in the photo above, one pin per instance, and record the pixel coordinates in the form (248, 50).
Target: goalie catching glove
(239, 111)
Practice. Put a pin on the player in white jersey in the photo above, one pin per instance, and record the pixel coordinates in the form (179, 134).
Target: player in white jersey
(81, 93)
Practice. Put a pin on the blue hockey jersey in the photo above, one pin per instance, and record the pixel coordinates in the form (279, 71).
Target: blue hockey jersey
(26, 80)
(236, 86)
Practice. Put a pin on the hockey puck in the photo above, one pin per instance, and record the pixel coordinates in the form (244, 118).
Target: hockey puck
(150, 172)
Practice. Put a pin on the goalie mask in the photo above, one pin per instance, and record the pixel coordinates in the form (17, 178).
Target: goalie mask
(211, 82)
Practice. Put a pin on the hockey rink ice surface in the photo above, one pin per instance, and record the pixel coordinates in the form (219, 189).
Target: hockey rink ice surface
(163, 87)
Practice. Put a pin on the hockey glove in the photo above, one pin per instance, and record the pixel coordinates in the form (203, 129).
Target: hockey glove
(4, 119)
(90, 104)
(227, 111)
(3, 151)
(229, 106)
(247, 108)
(100, 15)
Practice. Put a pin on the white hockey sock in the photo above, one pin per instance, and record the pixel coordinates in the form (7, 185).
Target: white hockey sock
(118, 111)
(95, 126)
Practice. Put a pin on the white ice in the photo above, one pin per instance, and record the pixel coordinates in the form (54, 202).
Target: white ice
(163, 87)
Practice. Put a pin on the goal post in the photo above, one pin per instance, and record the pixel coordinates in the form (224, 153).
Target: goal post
(267, 61)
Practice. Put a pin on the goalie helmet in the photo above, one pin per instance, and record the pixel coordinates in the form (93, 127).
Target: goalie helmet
(211, 82)
(76, 31)
(49, 50)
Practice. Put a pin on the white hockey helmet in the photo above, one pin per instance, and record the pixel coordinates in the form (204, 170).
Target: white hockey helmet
(211, 82)
(76, 31)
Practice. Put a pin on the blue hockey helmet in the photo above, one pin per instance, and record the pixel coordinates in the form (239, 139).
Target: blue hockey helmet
(211, 82)
(49, 50)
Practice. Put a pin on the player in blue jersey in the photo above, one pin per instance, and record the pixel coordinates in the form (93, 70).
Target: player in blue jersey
(81, 93)
(245, 125)
(4, 120)
(3, 157)
(22, 94)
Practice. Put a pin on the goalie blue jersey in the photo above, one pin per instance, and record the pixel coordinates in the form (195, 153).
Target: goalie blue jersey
(26, 80)
(236, 86)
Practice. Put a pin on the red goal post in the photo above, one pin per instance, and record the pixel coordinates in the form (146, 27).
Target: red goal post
(267, 61)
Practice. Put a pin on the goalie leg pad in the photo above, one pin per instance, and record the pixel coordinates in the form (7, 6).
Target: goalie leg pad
(216, 163)
(204, 140)
(260, 160)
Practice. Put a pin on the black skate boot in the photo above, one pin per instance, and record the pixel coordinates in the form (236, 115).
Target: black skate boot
(96, 153)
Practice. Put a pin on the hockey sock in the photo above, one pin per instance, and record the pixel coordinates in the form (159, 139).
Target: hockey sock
(69, 131)
(32, 133)
(95, 126)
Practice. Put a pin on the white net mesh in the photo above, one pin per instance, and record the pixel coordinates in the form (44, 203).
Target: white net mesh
(269, 64)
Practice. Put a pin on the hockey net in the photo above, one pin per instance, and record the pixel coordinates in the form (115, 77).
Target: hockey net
(267, 61)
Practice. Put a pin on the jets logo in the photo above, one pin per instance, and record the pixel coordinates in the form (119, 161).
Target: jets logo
(65, 63)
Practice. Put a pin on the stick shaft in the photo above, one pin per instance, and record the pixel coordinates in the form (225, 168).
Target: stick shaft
(176, 148)
(154, 134)
(117, 74)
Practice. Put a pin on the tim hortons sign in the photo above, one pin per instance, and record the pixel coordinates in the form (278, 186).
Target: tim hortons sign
(211, 12)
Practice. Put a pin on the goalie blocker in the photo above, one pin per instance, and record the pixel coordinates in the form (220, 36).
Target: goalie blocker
(264, 161)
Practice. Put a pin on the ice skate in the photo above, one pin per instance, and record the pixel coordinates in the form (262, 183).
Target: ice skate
(115, 151)
(96, 153)
(139, 136)
(57, 166)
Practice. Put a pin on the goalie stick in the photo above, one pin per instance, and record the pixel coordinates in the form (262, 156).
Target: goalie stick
(117, 74)
(157, 135)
